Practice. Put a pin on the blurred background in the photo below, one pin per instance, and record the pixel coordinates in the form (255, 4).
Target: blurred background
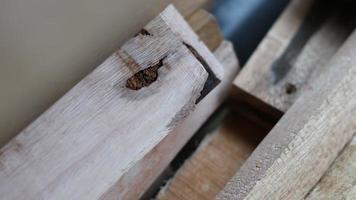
(245, 22)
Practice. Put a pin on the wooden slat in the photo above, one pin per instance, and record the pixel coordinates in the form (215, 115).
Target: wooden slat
(216, 160)
(278, 79)
(85, 143)
(154, 163)
(301, 147)
(339, 182)
(256, 77)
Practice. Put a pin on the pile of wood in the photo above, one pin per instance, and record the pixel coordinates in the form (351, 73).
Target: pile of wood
(286, 131)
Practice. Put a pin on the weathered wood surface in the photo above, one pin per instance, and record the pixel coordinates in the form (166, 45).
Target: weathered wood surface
(301, 147)
(257, 77)
(339, 182)
(85, 143)
(218, 157)
(308, 65)
(154, 163)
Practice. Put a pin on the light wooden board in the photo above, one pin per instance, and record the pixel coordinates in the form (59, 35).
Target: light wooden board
(92, 136)
(148, 169)
(306, 140)
(339, 182)
(155, 162)
(309, 64)
(256, 78)
(218, 157)
(278, 79)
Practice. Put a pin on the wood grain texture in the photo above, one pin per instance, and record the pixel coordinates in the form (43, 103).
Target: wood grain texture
(153, 164)
(339, 182)
(93, 135)
(308, 66)
(215, 161)
(256, 78)
(304, 143)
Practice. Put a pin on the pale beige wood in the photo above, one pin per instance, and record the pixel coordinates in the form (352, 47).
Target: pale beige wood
(256, 78)
(108, 122)
(148, 169)
(215, 161)
(308, 66)
(154, 163)
(304, 143)
(339, 182)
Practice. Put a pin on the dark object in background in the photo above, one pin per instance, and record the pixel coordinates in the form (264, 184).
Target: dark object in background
(245, 22)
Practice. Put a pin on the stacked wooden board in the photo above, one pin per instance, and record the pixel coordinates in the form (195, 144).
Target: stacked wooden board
(287, 65)
(115, 133)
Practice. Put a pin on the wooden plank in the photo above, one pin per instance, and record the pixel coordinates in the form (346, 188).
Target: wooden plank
(306, 140)
(215, 161)
(154, 163)
(88, 140)
(256, 77)
(339, 182)
(310, 63)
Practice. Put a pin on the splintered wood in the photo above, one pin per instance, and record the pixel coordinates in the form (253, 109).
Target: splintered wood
(304, 143)
(85, 143)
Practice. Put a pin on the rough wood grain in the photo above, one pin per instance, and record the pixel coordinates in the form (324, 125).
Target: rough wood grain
(154, 163)
(306, 140)
(279, 81)
(92, 136)
(256, 78)
(309, 64)
(218, 157)
(339, 182)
